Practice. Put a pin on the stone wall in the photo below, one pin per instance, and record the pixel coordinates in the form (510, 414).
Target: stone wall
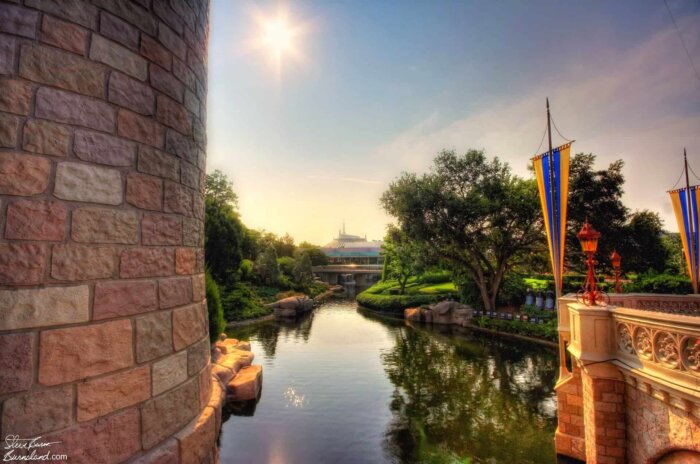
(103, 326)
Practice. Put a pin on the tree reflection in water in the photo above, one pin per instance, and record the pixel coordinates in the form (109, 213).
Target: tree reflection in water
(463, 398)
(268, 333)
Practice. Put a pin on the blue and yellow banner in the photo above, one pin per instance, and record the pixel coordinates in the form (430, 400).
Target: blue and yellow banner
(685, 205)
(552, 172)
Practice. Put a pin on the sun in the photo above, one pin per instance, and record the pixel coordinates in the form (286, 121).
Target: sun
(279, 36)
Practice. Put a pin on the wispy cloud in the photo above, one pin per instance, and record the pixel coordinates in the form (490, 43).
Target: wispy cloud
(640, 104)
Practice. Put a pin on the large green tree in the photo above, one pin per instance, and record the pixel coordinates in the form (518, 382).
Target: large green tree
(474, 213)
(643, 248)
(223, 230)
(403, 256)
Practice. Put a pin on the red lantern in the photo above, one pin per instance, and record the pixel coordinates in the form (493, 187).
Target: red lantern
(588, 237)
(616, 260)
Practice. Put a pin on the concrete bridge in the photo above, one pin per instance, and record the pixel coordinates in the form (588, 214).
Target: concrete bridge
(633, 393)
(364, 275)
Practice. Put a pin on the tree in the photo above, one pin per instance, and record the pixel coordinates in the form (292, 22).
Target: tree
(267, 266)
(303, 273)
(223, 230)
(675, 261)
(595, 195)
(402, 255)
(473, 213)
(643, 248)
(316, 254)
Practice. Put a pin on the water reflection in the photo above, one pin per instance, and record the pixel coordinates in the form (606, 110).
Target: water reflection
(343, 385)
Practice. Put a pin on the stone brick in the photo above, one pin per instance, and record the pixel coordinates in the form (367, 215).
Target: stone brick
(199, 69)
(191, 102)
(155, 52)
(38, 412)
(43, 307)
(46, 137)
(15, 96)
(173, 114)
(7, 54)
(185, 12)
(144, 192)
(124, 298)
(198, 292)
(101, 396)
(192, 232)
(185, 261)
(104, 149)
(100, 225)
(166, 453)
(175, 292)
(158, 163)
(198, 357)
(154, 336)
(76, 11)
(18, 21)
(166, 414)
(199, 133)
(9, 130)
(131, 12)
(162, 80)
(119, 30)
(83, 182)
(64, 35)
(183, 73)
(181, 146)
(140, 128)
(22, 263)
(65, 70)
(177, 199)
(198, 439)
(70, 108)
(35, 220)
(23, 174)
(161, 230)
(120, 58)
(205, 387)
(81, 262)
(79, 352)
(109, 439)
(172, 42)
(169, 372)
(167, 14)
(189, 326)
(130, 93)
(198, 205)
(16, 362)
(147, 262)
(190, 175)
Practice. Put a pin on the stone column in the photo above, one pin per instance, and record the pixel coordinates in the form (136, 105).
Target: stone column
(103, 326)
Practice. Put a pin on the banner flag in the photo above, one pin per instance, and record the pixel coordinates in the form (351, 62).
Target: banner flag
(687, 217)
(552, 173)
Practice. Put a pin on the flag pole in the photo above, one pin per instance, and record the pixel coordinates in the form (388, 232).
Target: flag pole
(555, 211)
(691, 240)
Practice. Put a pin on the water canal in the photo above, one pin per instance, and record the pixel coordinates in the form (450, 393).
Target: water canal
(346, 386)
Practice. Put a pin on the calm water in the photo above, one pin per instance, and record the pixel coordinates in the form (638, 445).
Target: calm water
(345, 386)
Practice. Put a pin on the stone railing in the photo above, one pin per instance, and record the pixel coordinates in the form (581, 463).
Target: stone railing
(663, 346)
(674, 304)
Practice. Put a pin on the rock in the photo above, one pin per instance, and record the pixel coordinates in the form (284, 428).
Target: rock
(246, 385)
(292, 306)
(412, 314)
(444, 312)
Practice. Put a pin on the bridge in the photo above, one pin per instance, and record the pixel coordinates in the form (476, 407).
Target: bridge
(363, 274)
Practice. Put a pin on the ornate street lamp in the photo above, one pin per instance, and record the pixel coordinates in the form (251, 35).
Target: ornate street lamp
(590, 294)
(616, 259)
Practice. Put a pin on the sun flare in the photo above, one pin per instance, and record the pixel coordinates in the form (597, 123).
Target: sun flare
(279, 36)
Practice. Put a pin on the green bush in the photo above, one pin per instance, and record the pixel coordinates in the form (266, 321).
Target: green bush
(435, 277)
(217, 324)
(286, 265)
(247, 271)
(512, 291)
(660, 283)
(547, 331)
(395, 303)
(242, 302)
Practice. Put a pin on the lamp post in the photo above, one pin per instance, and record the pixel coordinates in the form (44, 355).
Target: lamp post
(588, 237)
(616, 259)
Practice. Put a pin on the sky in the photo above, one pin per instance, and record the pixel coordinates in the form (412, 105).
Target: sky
(369, 90)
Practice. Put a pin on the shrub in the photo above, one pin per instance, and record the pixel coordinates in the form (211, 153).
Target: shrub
(217, 324)
(242, 302)
(395, 303)
(286, 265)
(660, 283)
(512, 291)
(435, 277)
(547, 331)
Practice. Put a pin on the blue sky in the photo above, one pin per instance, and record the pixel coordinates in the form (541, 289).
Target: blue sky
(379, 87)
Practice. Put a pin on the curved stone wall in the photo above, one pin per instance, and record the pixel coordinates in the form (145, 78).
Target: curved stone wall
(103, 326)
